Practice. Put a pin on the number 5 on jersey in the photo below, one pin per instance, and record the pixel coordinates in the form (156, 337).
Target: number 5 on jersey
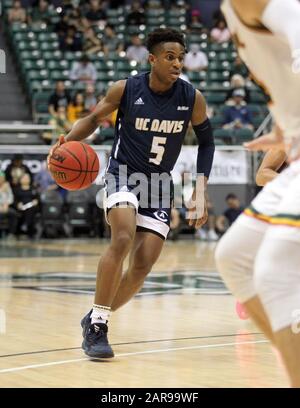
(158, 149)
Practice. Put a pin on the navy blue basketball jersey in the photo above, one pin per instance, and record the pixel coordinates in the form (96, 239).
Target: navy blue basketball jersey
(150, 127)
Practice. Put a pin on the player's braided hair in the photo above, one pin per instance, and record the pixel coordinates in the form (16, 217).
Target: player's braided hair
(161, 35)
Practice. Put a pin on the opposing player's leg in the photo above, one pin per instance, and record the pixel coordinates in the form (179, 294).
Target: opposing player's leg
(235, 255)
(145, 251)
(277, 276)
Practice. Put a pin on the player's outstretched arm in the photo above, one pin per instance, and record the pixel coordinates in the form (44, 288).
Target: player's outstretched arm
(268, 170)
(86, 126)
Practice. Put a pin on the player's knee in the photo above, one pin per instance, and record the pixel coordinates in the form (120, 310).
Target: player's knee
(121, 244)
(224, 256)
(142, 264)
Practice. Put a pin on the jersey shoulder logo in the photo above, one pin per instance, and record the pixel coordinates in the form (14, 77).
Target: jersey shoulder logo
(139, 101)
(183, 108)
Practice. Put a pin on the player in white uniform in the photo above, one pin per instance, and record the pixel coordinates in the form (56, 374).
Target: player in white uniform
(259, 256)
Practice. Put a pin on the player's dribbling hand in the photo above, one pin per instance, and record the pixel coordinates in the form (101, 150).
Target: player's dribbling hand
(61, 140)
(198, 216)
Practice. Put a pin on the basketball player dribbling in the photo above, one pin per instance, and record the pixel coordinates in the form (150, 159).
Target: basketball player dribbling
(154, 110)
(259, 255)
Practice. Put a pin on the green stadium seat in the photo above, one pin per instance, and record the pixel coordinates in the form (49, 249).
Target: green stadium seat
(31, 65)
(49, 46)
(218, 76)
(52, 55)
(224, 135)
(59, 75)
(257, 97)
(47, 37)
(217, 121)
(242, 135)
(27, 45)
(215, 97)
(58, 64)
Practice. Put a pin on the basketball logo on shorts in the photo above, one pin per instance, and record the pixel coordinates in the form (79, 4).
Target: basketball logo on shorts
(161, 215)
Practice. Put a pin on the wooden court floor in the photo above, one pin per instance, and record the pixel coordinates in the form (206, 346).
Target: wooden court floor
(180, 331)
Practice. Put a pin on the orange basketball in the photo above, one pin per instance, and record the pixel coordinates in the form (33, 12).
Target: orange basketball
(74, 165)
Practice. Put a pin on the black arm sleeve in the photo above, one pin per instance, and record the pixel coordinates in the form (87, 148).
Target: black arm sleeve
(206, 147)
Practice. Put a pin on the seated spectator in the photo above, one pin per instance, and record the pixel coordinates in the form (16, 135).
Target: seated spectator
(96, 13)
(220, 32)
(61, 125)
(136, 15)
(17, 14)
(237, 82)
(90, 100)
(60, 97)
(91, 43)
(39, 14)
(195, 59)
(75, 108)
(71, 40)
(26, 202)
(195, 25)
(238, 115)
(6, 199)
(239, 68)
(15, 171)
(83, 71)
(43, 180)
(111, 42)
(137, 51)
(234, 209)
(208, 231)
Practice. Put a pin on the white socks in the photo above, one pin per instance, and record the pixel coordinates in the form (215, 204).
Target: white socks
(100, 314)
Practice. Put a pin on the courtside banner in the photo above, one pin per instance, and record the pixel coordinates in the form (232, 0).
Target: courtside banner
(229, 166)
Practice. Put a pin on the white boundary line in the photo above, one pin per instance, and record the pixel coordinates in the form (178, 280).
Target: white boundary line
(53, 363)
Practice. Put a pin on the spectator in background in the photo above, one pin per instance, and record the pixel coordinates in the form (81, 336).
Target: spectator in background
(60, 97)
(237, 82)
(96, 13)
(137, 51)
(15, 171)
(83, 71)
(238, 115)
(91, 43)
(39, 14)
(60, 124)
(26, 202)
(75, 108)
(6, 199)
(220, 32)
(71, 40)
(195, 25)
(43, 180)
(90, 100)
(17, 13)
(239, 68)
(195, 59)
(136, 15)
(208, 231)
(111, 42)
(234, 209)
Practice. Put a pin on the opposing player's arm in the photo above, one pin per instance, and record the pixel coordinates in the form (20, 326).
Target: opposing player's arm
(250, 11)
(279, 16)
(86, 126)
(271, 163)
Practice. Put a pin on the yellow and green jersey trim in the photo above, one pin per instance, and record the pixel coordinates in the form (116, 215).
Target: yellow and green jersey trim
(289, 220)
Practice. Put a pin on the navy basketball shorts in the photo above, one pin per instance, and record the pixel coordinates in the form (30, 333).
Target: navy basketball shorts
(152, 200)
